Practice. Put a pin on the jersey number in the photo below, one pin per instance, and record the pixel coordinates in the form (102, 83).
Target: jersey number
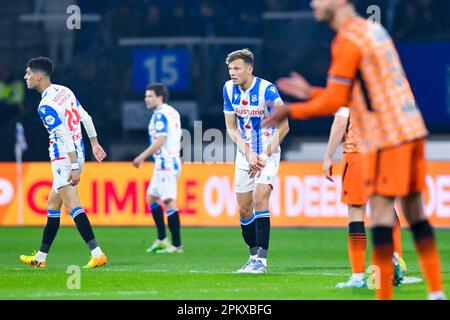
(73, 118)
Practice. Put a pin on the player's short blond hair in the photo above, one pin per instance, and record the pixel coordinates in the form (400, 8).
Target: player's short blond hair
(245, 54)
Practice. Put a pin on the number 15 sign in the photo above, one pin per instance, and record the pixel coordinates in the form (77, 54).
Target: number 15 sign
(171, 67)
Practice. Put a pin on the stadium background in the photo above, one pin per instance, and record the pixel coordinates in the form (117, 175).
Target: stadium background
(120, 47)
(123, 45)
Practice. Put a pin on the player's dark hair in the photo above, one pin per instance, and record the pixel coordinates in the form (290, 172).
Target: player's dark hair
(43, 64)
(245, 54)
(160, 90)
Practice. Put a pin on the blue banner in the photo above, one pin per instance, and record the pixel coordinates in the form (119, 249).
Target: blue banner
(427, 66)
(169, 66)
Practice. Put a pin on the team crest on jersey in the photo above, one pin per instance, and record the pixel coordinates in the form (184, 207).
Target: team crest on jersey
(254, 98)
(49, 120)
(59, 171)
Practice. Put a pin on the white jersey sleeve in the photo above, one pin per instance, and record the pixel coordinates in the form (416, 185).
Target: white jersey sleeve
(86, 119)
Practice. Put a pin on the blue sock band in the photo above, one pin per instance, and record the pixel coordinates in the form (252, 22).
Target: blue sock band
(171, 212)
(54, 213)
(76, 211)
(262, 214)
(154, 205)
(248, 221)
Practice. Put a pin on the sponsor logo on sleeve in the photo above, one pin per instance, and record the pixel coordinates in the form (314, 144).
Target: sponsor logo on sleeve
(159, 125)
(49, 120)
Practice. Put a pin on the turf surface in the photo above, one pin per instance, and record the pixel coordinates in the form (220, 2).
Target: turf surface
(303, 264)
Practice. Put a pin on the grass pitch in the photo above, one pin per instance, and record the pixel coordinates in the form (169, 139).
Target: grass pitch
(303, 264)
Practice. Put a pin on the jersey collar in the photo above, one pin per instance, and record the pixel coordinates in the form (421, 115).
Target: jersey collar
(160, 106)
(251, 87)
(46, 91)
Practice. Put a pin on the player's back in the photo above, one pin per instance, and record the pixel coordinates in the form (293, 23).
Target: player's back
(382, 87)
(59, 106)
(166, 121)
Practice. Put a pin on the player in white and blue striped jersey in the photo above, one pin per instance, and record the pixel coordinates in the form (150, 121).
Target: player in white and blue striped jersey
(247, 101)
(164, 132)
(62, 115)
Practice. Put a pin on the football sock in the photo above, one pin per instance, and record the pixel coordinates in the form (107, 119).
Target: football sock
(428, 254)
(358, 276)
(97, 252)
(84, 227)
(173, 220)
(41, 256)
(397, 235)
(262, 219)
(357, 243)
(248, 228)
(50, 230)
(383, 249)
(158, 217)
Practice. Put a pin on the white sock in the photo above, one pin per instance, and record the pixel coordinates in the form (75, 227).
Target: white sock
(41, 256)
(254, 257)
(358, 276)
(437, 295)
(97, 252)
(264, 261)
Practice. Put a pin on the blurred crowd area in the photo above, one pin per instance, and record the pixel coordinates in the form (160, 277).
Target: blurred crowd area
(93, 63)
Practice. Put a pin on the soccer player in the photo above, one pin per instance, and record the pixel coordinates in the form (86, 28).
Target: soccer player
(247, 100)
(366, 74)
(353, 194)
(61, 113)
(164, 132)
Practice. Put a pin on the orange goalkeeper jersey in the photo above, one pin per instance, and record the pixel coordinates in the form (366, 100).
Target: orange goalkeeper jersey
(366, 74)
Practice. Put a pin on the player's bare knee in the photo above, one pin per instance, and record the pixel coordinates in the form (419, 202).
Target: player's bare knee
(261, 204)
(169, 204)
(245, 211)
(356, 213)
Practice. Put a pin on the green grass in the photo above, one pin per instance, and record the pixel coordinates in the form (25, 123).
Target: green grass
(303, 264)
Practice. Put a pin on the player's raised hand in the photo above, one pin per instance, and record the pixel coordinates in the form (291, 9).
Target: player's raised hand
(295, 85)
(98, 152)
(74, 177)
(278, 114)
(328, 169)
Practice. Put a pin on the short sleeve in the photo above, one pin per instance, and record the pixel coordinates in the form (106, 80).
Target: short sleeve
(227, 106)
(160, 125)
(49, 116)
(272, 95)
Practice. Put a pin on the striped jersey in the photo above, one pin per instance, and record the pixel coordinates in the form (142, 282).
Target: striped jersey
(166, 122)
(61, 113)
(366, 74)
(251, 106)
(380, 87)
